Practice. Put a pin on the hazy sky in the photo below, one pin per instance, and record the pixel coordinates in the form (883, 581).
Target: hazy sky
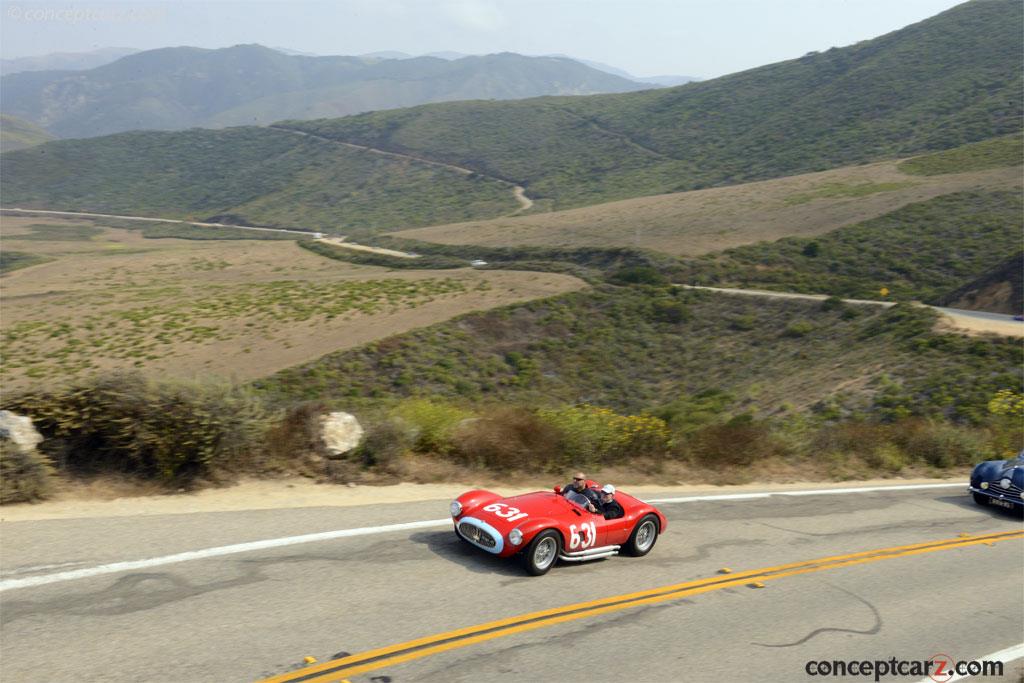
(703, 38)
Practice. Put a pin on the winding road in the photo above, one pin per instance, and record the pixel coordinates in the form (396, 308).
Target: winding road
(518, 191)
(386, 593)
(974, 321)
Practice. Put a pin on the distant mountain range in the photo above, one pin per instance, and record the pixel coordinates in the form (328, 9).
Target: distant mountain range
(65, 61)
(186, 87)
(667, 81)
(949, 80)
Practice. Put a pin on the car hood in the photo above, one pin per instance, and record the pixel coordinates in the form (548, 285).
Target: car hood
(994, 470)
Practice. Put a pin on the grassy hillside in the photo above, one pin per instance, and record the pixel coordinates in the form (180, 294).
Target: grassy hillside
(921, 251)
(18, 134)
(949, 80)
(952, 79)
(264, 176)
(182, 87)
(701, 221)
(639, 348)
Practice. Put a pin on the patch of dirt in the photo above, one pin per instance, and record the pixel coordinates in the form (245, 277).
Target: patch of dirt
(702, 221)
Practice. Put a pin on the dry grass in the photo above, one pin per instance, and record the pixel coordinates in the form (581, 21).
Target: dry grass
(694, 223)
(240, 309)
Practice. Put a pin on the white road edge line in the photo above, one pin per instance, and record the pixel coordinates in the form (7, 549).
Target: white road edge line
(816, 492)
(88, 572)
(1006, 656)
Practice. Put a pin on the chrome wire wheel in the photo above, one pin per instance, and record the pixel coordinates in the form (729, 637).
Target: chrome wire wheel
(645, 535)
(545, 553)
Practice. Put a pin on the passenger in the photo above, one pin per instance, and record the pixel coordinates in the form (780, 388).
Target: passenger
(579, 485)
(610, 507)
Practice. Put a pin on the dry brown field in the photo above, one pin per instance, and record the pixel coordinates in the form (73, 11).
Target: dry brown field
(702, 221)
(237, 309)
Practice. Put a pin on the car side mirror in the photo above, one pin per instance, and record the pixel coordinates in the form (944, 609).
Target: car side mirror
(557, 489)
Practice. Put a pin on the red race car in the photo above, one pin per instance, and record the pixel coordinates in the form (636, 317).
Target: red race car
(547, 526)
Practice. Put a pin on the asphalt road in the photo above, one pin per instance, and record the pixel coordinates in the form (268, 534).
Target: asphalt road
(256, 614)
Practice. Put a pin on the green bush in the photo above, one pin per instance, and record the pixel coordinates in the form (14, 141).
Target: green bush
(433, 422)
(599, 436)
(169, 431)
(385, 443)
(25, 476)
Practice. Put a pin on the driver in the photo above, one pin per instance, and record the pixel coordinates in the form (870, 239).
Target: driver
(579, 485)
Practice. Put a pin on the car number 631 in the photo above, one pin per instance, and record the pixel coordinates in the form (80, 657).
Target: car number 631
(584, 537)
(506, 512)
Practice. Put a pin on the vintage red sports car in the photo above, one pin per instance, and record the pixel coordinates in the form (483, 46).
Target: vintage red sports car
(544, 527)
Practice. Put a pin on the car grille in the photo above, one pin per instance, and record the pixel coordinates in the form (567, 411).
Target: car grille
(1012, 491)
(477, 535)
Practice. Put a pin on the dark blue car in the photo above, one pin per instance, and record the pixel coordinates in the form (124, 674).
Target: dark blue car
(999, 482)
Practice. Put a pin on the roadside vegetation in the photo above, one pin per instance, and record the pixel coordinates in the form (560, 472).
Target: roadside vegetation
(922, 251)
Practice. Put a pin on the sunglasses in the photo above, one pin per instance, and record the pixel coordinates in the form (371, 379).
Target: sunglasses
(578, 479)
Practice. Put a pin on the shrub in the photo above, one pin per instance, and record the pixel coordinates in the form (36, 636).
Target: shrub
(740, 441)
(597, 436)
(25, 476)
(638, 275)
(433, 422)
(887, 457)
(940, 444)
(171, 431)
(510, 438)
(290, 443)
(385, 443)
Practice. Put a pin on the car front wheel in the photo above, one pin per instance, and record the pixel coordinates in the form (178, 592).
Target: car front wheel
(542, 553)
(980, 499)
(644, 536)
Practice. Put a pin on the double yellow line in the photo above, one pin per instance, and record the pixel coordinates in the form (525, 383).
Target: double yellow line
(336, 670)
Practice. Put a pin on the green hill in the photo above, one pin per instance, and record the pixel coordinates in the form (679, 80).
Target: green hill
(183, 87)
(638, 348)
(949, 80)
(18, 134)
(922, 251)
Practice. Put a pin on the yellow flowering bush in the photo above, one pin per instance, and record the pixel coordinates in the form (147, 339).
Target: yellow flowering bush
(593, 435)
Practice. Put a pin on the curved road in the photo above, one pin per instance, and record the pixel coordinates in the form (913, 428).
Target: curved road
(913, 573)
(976, 321)
(518, 191)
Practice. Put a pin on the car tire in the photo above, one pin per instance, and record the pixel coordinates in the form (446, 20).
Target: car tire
(542, 553)
(644, 536)
(979, 498)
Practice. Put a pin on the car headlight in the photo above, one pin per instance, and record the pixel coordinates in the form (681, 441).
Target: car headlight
(455, 508)
(515, 537)
(984, 484)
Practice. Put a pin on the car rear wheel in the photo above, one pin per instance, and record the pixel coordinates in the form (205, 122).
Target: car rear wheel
(542, 553)
(980, 499)
(644, 536)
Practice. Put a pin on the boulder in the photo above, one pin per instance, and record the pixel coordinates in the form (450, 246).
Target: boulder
(340, 433)
(19, 430)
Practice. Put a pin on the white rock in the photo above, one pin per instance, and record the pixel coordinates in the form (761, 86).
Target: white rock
(20, 430)
(340, 432)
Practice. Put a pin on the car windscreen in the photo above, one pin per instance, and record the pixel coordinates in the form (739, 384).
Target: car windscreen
(577, 498)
